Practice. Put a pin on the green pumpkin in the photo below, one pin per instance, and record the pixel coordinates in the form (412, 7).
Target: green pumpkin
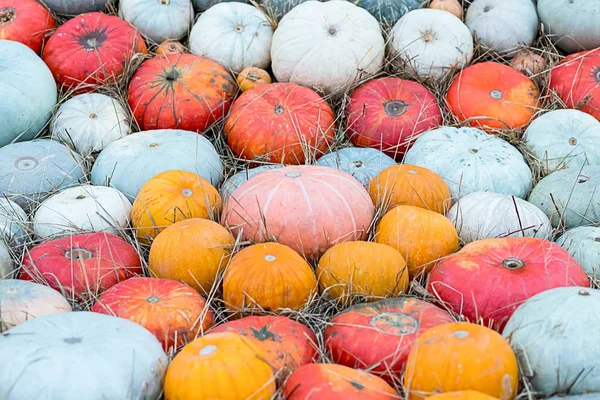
(276, 9)
(388, 12)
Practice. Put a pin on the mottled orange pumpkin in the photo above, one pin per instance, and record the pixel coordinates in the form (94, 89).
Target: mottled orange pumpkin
(462, 395)
(170, 47)
(170, 197)
(461, 356)
(252, 77)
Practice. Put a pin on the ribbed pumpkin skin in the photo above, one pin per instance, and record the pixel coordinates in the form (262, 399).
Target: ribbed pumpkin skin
(462, 395)
(461, 356)
(220, 366)
(378, 336)
(192, 251)
(27, 21)
(280, 122)
(493, 96)
(421, 236)
(174, 312)
(170, 197)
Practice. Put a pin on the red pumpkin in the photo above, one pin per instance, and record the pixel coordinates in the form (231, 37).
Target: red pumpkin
(25, 21)
(81, 265)
(378, 336)
(281, 123)
(91, 49)
(388, 114)
(488, 279)
(180, 91)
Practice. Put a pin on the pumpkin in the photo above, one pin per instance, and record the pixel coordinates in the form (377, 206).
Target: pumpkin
(473, 161)
(29, 93)
(286, 280)
(569, 197)
(431, 42)
(13, 223)
(21, 301)
(180, 91)
(25, 21)
(111, 41)
(89, 122)
(211, 366)
(75, 7)
(276, 9)
(388, 12)
(327, 46)
(462, 395)
(174, 312)
(365, 269)
(378, 336)
(236, 35)
(234, 181)
(158, 20)
(155, 152)
(207, 247)
(335, 382)
(32, 170)
(280, 122)
(287, 344)
(73, 344)
(528, 63)
(483, 215)
(461, 356)
(170, 47)
(277, 204)
(203, 5)
(252, 77)
(81, 265)
(522, 267)
(7, 265)
(503, 26)
(362, 163)
(406, 184)
(389, 113)
(583, 243)
(421, 236)
(452, 6)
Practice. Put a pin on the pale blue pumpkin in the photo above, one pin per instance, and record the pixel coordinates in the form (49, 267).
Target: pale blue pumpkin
(388, 12)
(27, 95)
(76, 7)
(13, 223)
(583, 243)
(362, 163)
(234, 181)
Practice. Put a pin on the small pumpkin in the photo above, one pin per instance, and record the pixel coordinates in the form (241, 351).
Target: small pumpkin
(462, 395)
(452, 6)
(170, 47)
(388, 12)
(25, 21)
(252, 77)
(75, 7)
(583, 244)
(362, 163)
(234, 181)
(528, 63)
(158, 20)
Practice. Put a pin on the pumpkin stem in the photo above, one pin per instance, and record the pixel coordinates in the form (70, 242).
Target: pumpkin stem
(172, 75)
(356, 164)
(7, 15)
(512, 263)
(395, 108)
(92, 40)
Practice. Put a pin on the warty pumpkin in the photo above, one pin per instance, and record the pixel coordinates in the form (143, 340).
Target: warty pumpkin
(25, 21)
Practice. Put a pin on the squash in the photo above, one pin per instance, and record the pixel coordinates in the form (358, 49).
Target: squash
(7, 264)
(462, 395)
(277, 204)
(280, 122)
(170, 47)
(203, 5)
(75, 7)
(89, 122)
(73, 344)
(473, 161)
(465, 282)
(388, 12)
(25, 21)
(174, 312)
(433, 43)
(378, 336)
(276, 9)
(13, 223)
(155, 152)
(234, 181)
(461, 356)
(362, 163)
(29, 93)
(252, 77)
(327, 46)
(207, 247)
(388, 114)
(421, 236)
(452, 6)
(236, 35)
(112, 41)
(528, 63)
(583, 243)
(211, 366)
(365, 269)
(159, 20)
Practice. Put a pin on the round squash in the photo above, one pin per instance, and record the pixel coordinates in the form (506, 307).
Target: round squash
(252, 77)
(452, 6)
(203, 5)
(462, 395)
(528, 63)
(234, 181)
(75, 7)
(170, 47)
(159, 20)
(25, 21)
(7, 264)
(388, 12)
(276, 9)
(362, 163)
(13, 223)
(583, 243)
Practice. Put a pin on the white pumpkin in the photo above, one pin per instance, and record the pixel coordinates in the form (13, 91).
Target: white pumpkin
(504, 25)
(81, 355)
(327, 46)
(7, 267)
(233, 182)
(159, 20)
(13, 223)
(583, 243)
(433, 42)
(89, 122)
(362, 163)
(564, 138)
(470, 160)
(82, 208)
(236, 35)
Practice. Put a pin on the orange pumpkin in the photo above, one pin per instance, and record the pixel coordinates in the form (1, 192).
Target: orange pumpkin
(405, 184)
(252, 77)
(461, 356)
(220, 366)
(528, 63)
(462, 395)
(452, 6)
(193, 251)
(268, 276)
(420, 235)
(366, 269)
(491, 95)
(170, 197)
(170, 47)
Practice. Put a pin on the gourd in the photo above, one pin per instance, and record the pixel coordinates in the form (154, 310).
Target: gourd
(171, 47)
(276, 9)
(203, 5)
(75, 7)
(234, 181)
(452, 6)
(158, 20)
(25, 21)
(583, 243)
(362, 163)
(252, 77)
(528, 63)
(388, 12)
(13, 223)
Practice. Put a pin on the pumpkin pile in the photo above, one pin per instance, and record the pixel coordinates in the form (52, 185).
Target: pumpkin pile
(299, 199)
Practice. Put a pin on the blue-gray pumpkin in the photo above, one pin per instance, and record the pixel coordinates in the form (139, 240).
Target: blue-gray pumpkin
(278, 8)
(13, 223)
(203, 5)
(233, 182)
(362, 163)
(583, 243)
(388, 12)
(76, 7)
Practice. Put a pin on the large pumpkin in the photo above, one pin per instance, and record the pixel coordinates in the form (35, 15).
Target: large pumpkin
(91, 49)
(583, 243)
(75, 7)
(388, 12)
(308, 208)
(158, 20)
(388, 114)
(281, 122)
(362, 163)
(25, 21)
(378, 336)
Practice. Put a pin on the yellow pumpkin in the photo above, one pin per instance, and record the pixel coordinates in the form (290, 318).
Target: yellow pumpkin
(462, 395)
(252, 77)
